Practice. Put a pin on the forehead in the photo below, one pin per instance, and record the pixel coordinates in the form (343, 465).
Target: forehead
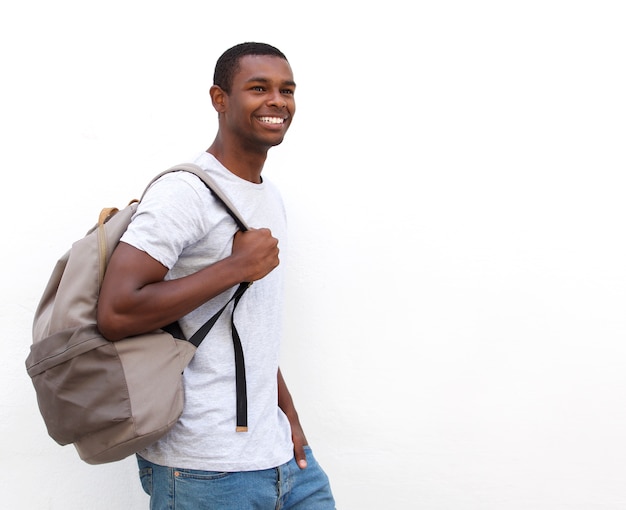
(263, 67)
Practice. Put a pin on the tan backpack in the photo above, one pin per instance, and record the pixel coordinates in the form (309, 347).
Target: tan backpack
(112, 399)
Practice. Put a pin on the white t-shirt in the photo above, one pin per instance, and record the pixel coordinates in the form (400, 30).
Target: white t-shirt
(182, 225)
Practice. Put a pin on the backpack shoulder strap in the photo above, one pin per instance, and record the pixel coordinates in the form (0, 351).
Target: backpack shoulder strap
(200, 334)
(211, 184)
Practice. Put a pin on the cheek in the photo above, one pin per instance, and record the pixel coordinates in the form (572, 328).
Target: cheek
(239, 117)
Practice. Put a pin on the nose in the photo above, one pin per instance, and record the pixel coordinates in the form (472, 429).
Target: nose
(277, 100)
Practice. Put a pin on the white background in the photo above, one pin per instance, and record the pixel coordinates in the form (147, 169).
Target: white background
(454, 179)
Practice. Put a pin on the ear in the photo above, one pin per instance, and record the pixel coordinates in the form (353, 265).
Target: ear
(218, 98)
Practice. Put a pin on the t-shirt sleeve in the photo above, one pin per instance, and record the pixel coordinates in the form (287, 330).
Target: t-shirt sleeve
(169, 218)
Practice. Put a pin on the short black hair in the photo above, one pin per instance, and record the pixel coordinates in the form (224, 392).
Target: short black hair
(228, 64)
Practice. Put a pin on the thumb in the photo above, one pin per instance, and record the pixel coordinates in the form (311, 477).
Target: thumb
(300, 456)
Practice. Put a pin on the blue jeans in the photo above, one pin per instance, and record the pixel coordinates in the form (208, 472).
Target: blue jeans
(286, 487)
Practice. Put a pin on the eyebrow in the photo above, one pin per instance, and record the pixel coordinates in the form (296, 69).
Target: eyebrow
(266, 80)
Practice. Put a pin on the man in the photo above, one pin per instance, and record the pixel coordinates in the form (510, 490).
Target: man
(181, 260)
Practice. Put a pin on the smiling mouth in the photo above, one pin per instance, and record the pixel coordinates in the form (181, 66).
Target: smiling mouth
(272, 120)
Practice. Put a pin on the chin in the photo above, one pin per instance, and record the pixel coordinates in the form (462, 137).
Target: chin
(276, 141)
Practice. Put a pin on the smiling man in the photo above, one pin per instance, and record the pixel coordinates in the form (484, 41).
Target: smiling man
(181, 259)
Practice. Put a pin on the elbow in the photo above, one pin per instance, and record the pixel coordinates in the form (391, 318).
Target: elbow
(109, 325)
(109, 335)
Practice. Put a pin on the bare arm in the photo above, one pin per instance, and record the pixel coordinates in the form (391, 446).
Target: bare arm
(285, 402)
(135, 299)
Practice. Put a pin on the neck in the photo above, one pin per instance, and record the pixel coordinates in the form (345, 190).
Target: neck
(244, 164)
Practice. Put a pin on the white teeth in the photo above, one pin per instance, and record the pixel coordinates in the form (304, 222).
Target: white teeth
(272, 120)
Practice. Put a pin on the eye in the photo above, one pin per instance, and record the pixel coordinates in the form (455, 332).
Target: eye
(289, 92)
(258, 88)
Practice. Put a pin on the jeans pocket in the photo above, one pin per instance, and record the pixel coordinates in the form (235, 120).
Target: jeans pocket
(195, 474)
(145, 476)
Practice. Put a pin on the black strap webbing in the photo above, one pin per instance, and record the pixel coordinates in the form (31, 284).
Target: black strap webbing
(240, 373)
(198, 336)
(240, 366)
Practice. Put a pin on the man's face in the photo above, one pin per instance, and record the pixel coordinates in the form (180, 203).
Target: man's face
(261, 103)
